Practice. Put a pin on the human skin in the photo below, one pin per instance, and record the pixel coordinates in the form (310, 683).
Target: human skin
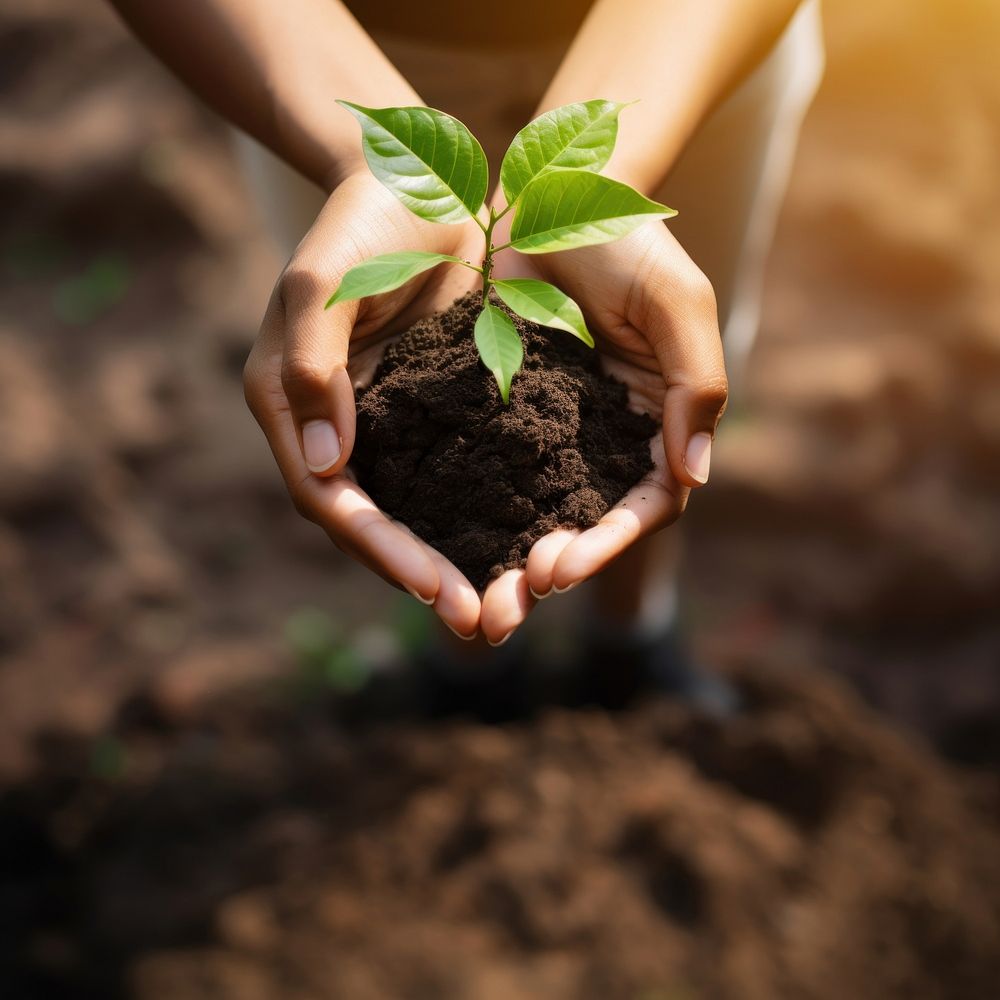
(267, 67)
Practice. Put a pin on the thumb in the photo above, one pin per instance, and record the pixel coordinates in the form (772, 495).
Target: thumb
(683, 328)
(314, 373)
(691, 413)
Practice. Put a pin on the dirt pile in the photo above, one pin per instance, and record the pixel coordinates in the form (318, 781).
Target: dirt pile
(802, 850)
(480, 481)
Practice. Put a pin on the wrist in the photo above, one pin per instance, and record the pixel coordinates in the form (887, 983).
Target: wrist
(643, 164)
(342, 168)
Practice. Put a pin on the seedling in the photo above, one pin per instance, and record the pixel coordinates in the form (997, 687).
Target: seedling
(550, 178)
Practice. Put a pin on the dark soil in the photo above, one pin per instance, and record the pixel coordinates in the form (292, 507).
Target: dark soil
(480, 481)
(259, 850)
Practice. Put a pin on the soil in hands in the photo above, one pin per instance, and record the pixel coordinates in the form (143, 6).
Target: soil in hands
(480, 481)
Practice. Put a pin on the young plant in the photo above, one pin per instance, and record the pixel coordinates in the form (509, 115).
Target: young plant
(435, 166)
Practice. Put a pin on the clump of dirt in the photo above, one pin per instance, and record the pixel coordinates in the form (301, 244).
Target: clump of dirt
(258, 849)
(480, 481)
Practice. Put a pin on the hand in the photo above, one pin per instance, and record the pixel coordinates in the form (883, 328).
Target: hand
(302, 371)
(653, 316)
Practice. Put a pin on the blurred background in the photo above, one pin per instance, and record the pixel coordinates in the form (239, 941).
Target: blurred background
(184, 814)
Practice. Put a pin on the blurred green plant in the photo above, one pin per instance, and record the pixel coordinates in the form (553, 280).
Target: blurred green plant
(87, 296)
(330, 657)
(108, 758)
(323, 654)
(411, 624)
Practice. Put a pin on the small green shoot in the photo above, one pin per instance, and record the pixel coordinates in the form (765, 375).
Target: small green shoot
(324, 654)
(108, 758)
(91, 294)
(549, 176)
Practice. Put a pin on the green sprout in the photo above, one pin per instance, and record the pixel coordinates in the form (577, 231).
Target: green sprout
(436, 167)
(324, 654)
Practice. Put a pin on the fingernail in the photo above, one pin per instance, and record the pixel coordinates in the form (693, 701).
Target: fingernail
(320, 445)
(539, 597)
(500, 642)
(423, 600)
(699, 456)
(464, 638)
(566, 589)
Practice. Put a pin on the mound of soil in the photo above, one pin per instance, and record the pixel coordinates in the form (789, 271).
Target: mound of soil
(261, 850)
(480, 481)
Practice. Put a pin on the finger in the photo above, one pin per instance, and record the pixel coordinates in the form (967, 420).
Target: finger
(314, 366)
(678, 314)
(457, 603)
(338, 505)
(506, 603)
(542, 559)
(653, 503)
(348, 515)
(317, 340)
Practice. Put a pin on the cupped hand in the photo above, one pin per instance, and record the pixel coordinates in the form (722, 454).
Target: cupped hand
(653, 316)
(302, 372)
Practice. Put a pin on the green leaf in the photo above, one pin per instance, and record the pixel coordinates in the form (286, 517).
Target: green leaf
(581, 136)
(430, 161)
(500, 347)
(542, 303)
(562, 209)
(386, 272)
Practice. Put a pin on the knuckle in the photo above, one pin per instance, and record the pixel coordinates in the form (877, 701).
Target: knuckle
(302, 501)
(670, 293)
(250, 383)
(253, 380)
(713, 392)
(699, 290)
(302, 375)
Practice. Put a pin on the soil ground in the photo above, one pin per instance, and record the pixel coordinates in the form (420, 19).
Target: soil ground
(182, 810)
(254, 849)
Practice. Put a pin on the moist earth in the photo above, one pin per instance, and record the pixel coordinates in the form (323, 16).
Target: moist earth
(480, 481)
(254, 849)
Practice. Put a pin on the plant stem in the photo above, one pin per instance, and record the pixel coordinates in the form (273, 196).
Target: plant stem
(488, 259)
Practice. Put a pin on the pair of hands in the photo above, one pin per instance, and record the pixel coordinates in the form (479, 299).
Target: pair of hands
(653, 316)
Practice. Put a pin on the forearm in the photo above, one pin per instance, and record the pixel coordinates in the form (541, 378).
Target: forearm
(274, 70)
(679, 59)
